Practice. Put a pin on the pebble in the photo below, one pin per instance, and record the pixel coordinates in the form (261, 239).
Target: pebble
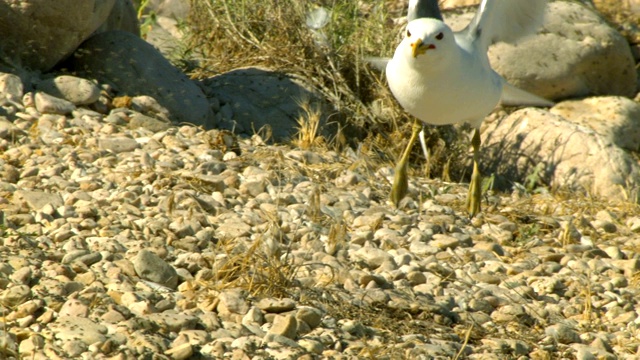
(271, 305)
(284, 325)
(48, 104)
(73, 89)
(72, 328)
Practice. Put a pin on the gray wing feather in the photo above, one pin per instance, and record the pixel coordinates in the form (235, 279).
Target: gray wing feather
(505, 20)
(513, 96)
(377, 62)
(423, 8)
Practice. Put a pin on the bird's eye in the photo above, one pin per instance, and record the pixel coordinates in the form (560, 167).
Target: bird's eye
(439, 36)
(408, 33)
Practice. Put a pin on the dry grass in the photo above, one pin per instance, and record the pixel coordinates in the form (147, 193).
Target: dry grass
(274, 34)
(619, 13)
(308, 128)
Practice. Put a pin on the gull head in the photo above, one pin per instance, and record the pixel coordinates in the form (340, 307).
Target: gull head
(426, 37)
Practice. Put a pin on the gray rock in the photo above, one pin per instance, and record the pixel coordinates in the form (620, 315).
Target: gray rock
(74, 89)
(252, 98)
(311, 316)
(271, 305)
(285, 325)
(22, 275)
(73, 307)
(123, 16)
(615, 118)
(576, 54)
(49, 104)
(11, 88)
(36, 200)
(180, 352)
(73, 255)
(15, 295)
(118, 144)
(150, 107)
(373, 257)
(233, 228)
(170, 322)
(134, 67)
(563, 334)
(37, 34)
(8, 130)
(69, 328)
(566, 154)
(152, 124)
(74, 348)
(233, 301)
(150, 266)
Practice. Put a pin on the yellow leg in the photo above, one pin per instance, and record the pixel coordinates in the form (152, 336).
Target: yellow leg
(400, 182)
(475, 186)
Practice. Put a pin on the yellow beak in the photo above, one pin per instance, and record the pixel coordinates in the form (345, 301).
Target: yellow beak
(419, 48)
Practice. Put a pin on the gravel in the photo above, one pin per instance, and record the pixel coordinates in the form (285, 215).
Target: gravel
(130, 242)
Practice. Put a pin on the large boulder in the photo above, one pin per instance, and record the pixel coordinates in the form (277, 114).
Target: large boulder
(556, 151)
(248, 99)
(134, 67)
(576, 53)
(123, 17)
(37, 34)
(615, 118)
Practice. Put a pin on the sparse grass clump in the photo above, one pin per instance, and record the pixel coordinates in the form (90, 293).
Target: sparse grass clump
(325, 44)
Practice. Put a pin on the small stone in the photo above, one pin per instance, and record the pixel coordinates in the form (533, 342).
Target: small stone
(31, 344)
(252, 188)
(233, 301)
(416, 278)
(22, 275)
(285, 325)
(15, 295)
(150, 266)
(233, 228)
(152, 124)
(73, 89)
(48, 104)
(443, 242)
(312, 346)
(118, 144)
(254, 316)
(171, 322)
(373, 257)
(311, 316)
(8, 130)
(74, 348)
(71, 256)
(180, 352)
(563, 334)
(69, 328)
(74, 307)
(277, 306)
(37, 200)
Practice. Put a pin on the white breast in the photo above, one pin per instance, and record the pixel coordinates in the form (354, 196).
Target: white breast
(447, 92)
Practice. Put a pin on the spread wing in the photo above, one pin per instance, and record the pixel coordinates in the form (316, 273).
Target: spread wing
(505, 20)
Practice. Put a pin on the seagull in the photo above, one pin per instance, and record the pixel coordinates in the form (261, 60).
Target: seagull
(444, 77)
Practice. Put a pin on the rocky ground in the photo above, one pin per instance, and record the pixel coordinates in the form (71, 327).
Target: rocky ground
(124, 236)
(129, 239)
